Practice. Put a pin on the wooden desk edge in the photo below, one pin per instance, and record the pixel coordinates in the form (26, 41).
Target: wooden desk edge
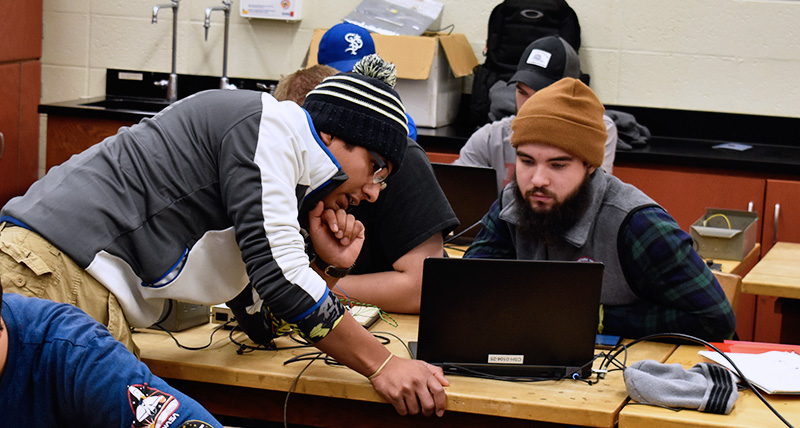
(166, 361)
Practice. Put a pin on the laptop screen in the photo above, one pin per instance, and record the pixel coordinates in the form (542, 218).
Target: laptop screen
(509, 317)
(470, 190)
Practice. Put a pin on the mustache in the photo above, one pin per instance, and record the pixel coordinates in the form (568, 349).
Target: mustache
(541, 190)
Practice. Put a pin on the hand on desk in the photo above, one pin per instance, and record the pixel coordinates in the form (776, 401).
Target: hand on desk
(412, 386)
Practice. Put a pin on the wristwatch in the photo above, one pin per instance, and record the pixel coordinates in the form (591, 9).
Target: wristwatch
(331, 270)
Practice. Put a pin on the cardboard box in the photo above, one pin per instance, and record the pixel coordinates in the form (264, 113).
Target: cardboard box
(429, 72)
(725, 234)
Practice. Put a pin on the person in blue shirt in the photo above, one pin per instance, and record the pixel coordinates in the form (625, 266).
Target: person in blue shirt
(61, 368)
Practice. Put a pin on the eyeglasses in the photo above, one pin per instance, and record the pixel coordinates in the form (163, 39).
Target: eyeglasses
(380, 173)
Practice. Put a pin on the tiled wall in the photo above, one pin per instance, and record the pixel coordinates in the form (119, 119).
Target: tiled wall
(740, 56)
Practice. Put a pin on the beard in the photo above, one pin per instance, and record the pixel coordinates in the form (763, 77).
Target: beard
(549, 226)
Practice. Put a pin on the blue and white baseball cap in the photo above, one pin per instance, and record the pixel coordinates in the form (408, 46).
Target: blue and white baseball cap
(344, 45)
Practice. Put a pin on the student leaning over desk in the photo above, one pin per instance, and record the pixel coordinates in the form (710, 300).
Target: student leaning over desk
(563, 206)
(212, 194)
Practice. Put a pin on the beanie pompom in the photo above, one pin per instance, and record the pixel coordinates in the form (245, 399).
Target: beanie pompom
(376, 67)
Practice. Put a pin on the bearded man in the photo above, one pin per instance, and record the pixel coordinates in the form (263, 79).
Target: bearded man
(562, 206)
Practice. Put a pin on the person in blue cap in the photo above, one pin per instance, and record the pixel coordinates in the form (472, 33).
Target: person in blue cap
(343, 45)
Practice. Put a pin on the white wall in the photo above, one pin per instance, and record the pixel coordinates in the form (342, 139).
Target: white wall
(740, 56)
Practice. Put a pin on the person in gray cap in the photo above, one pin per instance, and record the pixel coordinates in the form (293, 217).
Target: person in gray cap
(544, 62)
(212, 195)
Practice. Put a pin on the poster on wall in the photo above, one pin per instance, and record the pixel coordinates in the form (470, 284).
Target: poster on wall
(285, 10)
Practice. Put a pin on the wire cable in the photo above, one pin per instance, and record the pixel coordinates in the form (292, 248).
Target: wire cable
(192, 348)
(458, 235)
(451, 27)
(291, 388)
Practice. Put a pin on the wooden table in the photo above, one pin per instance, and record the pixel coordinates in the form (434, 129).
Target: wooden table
(254, 385)
(748, 411)
(778, 275)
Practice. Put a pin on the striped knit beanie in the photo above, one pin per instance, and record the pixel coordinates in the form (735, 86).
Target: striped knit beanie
(567, 115)
(361, 110)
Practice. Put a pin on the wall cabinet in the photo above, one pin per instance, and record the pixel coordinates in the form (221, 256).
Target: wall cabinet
(67, 135)
(9, 129)
(686, 192)
(20, 89)
(19, 125)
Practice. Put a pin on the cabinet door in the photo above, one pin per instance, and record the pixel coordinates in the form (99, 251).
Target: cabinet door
(781, 213)
(686, 193)
(9, 127)
(67, 135)
(781, 223)
(21, 24)
(30, 97)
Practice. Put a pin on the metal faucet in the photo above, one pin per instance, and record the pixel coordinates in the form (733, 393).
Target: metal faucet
(226, 8)
(172, 83)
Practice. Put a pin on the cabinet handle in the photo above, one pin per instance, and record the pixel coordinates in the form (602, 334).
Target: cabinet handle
(2, 145)
(750, 206)
(775, 221)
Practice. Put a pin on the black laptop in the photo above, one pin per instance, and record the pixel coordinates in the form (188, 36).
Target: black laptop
(471, 190)
(512, 318)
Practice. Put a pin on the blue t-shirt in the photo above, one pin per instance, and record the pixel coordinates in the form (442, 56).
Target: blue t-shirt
(64, 369)
(412, 128)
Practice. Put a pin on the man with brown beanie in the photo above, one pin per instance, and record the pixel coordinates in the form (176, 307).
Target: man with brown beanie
(562, 206)
(212, 195)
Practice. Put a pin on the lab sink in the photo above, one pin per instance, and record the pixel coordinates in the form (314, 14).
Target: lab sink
(143, 105)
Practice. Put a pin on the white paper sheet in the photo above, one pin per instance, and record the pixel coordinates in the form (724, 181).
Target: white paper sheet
(774, 372)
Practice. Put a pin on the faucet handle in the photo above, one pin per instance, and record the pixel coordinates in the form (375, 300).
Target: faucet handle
(263, 87)
(161, 83)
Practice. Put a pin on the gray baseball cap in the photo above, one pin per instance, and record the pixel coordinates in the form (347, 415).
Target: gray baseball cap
(546, 61)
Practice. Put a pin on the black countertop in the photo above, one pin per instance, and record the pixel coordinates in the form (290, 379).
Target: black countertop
(132, 95)
(680, 137)
(691, 152)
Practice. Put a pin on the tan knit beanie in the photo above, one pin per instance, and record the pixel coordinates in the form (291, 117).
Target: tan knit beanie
(567, 115)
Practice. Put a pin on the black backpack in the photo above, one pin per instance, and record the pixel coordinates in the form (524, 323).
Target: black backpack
(513, 25)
